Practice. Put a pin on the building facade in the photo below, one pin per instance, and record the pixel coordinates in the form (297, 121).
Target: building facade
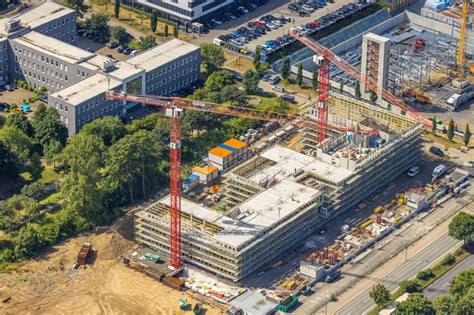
(38, 47)
(184, 11)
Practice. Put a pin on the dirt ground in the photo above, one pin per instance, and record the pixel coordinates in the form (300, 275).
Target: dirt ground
(47, 285)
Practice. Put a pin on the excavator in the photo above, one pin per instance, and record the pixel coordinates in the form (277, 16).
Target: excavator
(419, 96)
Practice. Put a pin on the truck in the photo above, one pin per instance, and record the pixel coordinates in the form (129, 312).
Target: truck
(331, 276)
(84, 253)
(439, 171)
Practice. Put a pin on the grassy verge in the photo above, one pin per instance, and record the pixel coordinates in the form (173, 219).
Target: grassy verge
(443, 140)
(437, 271)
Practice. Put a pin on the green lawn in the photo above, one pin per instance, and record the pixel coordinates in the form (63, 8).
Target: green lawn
(51, 199)
(49, 175)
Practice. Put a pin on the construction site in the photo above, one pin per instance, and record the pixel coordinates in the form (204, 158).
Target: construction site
(414, 56)
(270, 202)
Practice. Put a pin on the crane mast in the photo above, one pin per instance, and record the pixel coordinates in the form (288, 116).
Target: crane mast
(460, 60)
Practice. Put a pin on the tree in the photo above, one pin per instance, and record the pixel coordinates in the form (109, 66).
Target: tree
(218, 80)
(2, 121)
(117, 9)
(416, 304)
(79, 6)
(380, 294)
(467, 135)
(36, 191)
(175, 31)
(285, 68)
(35, 166)
(450, 133)
(26, 242)
(166, 30)
(462, 283)
(465, 305)
(9, 164)
(410, 286)
(462, 227)
(153, 21)
(425, 274)
(17, 142)
(212, 57)
(373, 97)
(21, 122)
(48, 127)
(98, 26)
(250, 82)
(146, 42)
(434, 126)
(315, 80)
(110, 129)
(357, 92)
(120, 35)
(256, 57)
(444, 304)
(84, 158)
(51, 151)
(299, 75)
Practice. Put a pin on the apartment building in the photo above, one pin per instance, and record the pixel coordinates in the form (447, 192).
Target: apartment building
(184, 11)
(41, 51)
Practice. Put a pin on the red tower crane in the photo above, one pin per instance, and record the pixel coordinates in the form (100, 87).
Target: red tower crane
(349, 69)
(173, 107)
(323, 94)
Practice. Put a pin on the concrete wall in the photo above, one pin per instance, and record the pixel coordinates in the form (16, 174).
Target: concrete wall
(4, 61)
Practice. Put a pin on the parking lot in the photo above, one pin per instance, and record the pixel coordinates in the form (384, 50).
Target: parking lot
(277, 9)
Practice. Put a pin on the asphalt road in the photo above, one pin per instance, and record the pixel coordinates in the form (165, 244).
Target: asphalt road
(441, 286)
(423, 259)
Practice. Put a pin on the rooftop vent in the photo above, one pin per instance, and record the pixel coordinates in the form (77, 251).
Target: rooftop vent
(12, 25)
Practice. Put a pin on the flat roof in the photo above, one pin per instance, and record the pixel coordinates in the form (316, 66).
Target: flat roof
(124, 70)
(256, 214)
(287, 161)
(54, 47)
(162, 54)
(255, 303)
(86, 89)
(205, 170)
(234, 143)
(220, 152)
(39, 15)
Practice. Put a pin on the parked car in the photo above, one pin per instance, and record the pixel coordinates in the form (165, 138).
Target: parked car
(412, 172)
(278, 88)
(436, 151)
(243, 9)
(113, 45)
(9, 87)
(3, 106)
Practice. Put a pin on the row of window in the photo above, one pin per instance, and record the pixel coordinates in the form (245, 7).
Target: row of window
(49, 72)
(4, 46)
(173, 66)
(44, 80)
(175, 87)
(57, 24)
(39, 57)
(107, 111)
(157, 74)
(89, 106)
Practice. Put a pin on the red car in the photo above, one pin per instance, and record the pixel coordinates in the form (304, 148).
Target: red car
(315, 24)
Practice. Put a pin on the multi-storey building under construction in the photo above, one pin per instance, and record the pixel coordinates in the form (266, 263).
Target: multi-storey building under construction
(280, 196)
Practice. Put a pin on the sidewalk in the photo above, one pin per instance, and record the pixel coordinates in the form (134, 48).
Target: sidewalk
(360, 276)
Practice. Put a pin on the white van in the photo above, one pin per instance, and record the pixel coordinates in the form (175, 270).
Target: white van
(278, 88)
(439, 171)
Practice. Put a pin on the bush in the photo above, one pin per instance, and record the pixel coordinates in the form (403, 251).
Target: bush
(425, 274)
(36, 191)
(410, 286)
(31, 89)
(448, 260)
(34, 98)
(333, 298)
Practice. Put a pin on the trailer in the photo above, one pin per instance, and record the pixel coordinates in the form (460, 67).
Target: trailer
(84, 253)
(173, 282)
